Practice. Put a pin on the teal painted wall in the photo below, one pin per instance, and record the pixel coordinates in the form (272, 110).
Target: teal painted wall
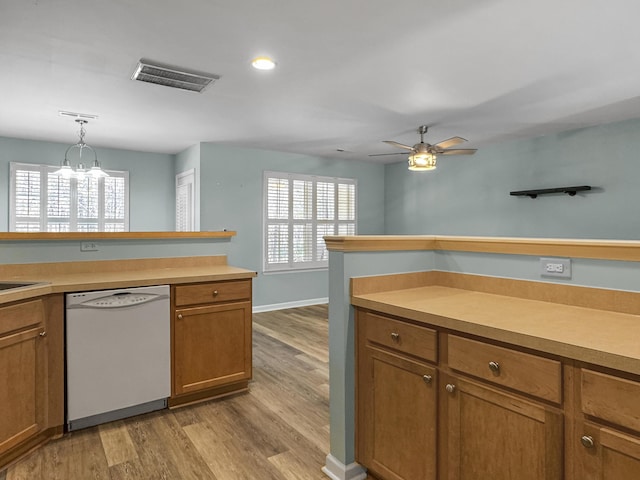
(151, 179)
(470, 195)
(231, 198)
(188, 159)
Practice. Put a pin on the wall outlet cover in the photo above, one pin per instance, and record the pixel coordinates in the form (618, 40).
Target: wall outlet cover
(88, 247)
(555, 267)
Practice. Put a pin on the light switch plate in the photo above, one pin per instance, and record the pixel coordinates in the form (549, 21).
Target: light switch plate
(555, 267)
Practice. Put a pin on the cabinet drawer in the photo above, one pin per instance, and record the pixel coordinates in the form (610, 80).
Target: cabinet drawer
(611, 398)
(23, 315)
(404, 337)
(537, 376)
(212, 292)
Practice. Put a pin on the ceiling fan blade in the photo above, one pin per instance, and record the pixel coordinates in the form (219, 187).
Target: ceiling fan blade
(383, 154)
(399, 145)
(450, 142)
(459, 151)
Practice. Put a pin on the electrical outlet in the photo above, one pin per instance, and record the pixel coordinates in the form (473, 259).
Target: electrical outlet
(88, 247)
(555, 267)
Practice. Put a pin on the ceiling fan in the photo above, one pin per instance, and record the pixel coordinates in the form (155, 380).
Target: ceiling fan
(423, 155)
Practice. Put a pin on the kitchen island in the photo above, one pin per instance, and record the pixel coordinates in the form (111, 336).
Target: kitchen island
(448, 377)
(211, 295)
(464, 354)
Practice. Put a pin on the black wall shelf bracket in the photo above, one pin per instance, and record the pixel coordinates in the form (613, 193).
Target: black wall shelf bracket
(571, 191)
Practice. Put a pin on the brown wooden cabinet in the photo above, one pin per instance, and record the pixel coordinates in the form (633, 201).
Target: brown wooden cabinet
(493, 434)
(477, 410)
(211, 340)
(606, 441)
(31, 380)
(494, 426)
(397, 408)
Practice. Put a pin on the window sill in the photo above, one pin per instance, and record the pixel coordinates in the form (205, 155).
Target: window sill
(295, 270)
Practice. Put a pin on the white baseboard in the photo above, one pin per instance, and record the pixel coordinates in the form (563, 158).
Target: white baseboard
(297, 303)
(336, 470)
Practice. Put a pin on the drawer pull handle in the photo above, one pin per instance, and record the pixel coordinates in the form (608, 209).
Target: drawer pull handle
(179, 316)
(495, 367)
(450, 388)
(395, 336)
(215, 293)
(587, 441)
(43, 334)
(427, 379)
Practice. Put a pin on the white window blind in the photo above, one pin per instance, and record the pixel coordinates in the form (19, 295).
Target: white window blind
(185, 201)
(43, 202)
(299, 210)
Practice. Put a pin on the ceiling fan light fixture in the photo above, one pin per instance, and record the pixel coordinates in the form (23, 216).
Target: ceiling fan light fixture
(422, 161)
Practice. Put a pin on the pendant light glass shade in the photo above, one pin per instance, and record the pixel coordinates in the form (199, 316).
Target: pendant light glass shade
(96, 171)
(67, 171)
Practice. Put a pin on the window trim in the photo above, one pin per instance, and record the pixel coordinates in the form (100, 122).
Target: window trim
(44, 170)
(314, 265)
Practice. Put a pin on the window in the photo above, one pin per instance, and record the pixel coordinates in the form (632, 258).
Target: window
(299, 210)
(43, 202)
(186, 202)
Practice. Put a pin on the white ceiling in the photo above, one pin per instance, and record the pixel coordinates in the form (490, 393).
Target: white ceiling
(350, 73)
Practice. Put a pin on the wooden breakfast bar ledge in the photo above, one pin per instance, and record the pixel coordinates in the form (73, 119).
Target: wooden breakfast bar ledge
(597, 325)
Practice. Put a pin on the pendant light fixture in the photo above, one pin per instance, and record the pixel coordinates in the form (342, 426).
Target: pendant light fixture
(80, 171)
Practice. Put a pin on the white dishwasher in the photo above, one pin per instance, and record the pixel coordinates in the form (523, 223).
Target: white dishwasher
(118, 354)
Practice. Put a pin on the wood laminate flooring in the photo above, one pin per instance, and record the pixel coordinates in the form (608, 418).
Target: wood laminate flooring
(279, 430)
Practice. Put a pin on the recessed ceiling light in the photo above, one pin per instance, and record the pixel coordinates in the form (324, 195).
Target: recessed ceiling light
(263, 63)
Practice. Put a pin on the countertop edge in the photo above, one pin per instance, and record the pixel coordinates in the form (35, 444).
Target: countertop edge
(538, 343)
(126, 279)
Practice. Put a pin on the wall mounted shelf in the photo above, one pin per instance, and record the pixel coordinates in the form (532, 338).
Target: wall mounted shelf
(571, 191)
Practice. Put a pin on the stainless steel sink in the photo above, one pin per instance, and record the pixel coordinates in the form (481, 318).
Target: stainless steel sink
(12, 285)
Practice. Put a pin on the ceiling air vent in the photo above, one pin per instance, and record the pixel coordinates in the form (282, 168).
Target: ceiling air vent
(152, 72)
(77, 116)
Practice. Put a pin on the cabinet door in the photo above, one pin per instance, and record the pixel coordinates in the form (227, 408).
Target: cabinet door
(606, 454)
(23, 382)
(396, 416)
(491, 434)
(212, 346)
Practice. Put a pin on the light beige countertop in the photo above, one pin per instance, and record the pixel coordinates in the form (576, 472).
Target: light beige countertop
(109, 274)
(602, 337)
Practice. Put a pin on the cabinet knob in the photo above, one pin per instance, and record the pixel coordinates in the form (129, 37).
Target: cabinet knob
(494, 367)
(587, 441)
(215, 293)
(427, 378)
(43, 334)
(450, 388)
(395, 336)
(179, 316)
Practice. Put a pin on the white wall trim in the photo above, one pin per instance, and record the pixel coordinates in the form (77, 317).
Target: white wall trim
(336, 470)
(295, 304)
